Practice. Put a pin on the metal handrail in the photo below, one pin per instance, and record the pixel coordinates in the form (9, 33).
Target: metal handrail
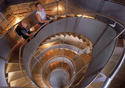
(12, 28)
(115, 70)
(56, 47)
(121, 61)
(113, 20)
(20, 62)
(84, 12)
(20, 58)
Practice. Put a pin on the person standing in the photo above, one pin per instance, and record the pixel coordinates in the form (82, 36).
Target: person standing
(41, 14)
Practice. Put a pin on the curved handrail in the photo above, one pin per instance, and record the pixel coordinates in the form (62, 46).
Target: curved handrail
(104, 65)
(109, 17)
(115, 70)
(84, 12)
(20, 58)
(120, 32)
(20, 61)
(56, 47)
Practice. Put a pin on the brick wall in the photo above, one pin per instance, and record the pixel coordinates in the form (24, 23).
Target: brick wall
(19, 11)
(14, 12)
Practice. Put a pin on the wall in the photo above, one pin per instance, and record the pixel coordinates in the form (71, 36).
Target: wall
(15, 13)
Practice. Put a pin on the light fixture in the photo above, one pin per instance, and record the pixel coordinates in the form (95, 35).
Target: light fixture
(63, 16)
(85, 16)
(47, 45)
(17, 20)
(32, 29)
(79, 15)
(58, 8)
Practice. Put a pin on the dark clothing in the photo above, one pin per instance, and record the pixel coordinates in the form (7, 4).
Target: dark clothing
(22, 32)
(27, 30)
(51, 21)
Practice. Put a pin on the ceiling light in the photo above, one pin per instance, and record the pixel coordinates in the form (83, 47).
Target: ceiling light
(59, 8)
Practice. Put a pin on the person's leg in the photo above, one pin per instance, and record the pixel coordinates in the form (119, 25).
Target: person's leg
(26, 38)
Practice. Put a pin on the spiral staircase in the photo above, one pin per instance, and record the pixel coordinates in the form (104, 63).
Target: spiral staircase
(74, 51)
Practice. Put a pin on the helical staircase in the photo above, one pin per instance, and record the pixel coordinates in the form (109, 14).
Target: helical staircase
(67, 53)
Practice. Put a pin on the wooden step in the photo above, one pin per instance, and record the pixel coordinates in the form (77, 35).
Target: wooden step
(14, 75)
(19, 82)
(11, 67)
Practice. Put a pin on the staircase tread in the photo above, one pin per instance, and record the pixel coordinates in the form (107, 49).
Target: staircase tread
(21, 82)
(11, 67)
(14, 75)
